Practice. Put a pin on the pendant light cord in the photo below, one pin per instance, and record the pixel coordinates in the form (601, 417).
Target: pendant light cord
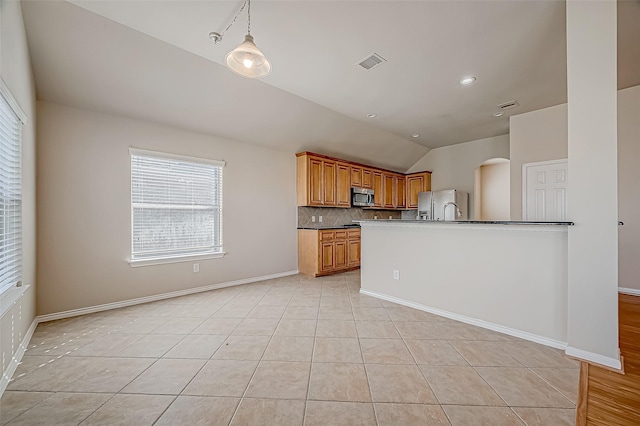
(236, 17)
(249, 19)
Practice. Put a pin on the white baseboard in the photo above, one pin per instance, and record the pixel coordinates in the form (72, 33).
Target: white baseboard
(473, 321)
(156, 297)
(630, 291)
(595, 358)
(17, 357)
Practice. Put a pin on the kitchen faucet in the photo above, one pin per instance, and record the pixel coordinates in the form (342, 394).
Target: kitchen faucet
(444, 209)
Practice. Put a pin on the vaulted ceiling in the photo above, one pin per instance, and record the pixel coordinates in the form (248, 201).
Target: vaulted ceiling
(153, 60)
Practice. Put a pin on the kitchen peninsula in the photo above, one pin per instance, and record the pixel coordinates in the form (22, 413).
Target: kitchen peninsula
(510, 277)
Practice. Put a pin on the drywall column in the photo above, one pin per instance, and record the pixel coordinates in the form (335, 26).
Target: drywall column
(593, 204)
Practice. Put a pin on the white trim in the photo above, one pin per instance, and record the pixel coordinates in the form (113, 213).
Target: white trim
(10, 297)
(146, 299)
(630, 291)
(473, 321)
(594, 357)
(158, 154)
(174, 259)
(17, 357)
(13, 103)
(524, 179)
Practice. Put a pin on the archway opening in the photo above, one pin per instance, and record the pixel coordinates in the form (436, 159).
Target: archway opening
(492, 190)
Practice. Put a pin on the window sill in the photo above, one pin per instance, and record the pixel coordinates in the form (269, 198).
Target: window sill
(178, 259)
(10, 296)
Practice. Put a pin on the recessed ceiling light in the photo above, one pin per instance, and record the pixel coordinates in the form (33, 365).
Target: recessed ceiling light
(372, 115)
(415, 135)
(467, 80)
(497, 114)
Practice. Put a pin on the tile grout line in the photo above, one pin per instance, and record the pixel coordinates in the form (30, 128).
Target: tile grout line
(261, 356)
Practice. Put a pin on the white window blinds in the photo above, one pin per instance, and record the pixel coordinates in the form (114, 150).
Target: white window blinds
(176, 206)
(10, 196)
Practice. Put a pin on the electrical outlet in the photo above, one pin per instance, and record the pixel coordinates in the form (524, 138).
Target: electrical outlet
(196, 267)
(313, 218)
(390, 217)
(319, 218)
(396, 274)
(375, 217)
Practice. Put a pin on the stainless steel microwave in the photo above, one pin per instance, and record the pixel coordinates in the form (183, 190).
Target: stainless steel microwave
(361, 197)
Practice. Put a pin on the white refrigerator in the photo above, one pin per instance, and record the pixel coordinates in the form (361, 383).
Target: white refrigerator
(448, 204)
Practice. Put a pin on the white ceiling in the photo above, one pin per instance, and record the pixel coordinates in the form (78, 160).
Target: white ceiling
(153, 60)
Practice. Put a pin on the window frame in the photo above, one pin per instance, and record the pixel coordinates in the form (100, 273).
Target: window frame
(187, 257)
(21, 117)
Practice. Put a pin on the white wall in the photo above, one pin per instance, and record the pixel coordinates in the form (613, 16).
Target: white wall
(454, 166)
(542, 135)
(513, 277)
(494, 191)
(592, 329)
(535, 136)
(15, 69)
(84, 209)
(628, 193)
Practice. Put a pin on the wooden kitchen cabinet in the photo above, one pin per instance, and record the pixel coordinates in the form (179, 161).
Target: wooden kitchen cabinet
(367, 178)
(343, 185)
(317, 182)
(401, 191)
(378, 188)
(356, 177)
(328, 251)
(417, 182)
(354, 248)
(326, 182)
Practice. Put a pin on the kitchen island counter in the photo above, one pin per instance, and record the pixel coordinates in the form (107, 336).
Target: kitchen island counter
(510, 277)
(466, 222)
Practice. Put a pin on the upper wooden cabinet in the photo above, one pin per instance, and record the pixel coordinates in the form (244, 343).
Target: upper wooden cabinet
(417, 182)
(343, 185)
(378, 189)
(401, 201)
(356, 176)
(390, 191)
(367, 178)
(326, 182)
(318, 182)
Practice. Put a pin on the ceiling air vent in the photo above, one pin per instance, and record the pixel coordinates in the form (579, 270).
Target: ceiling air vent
(372, 61)
(508, 105)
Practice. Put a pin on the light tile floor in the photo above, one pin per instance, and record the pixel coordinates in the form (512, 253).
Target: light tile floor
(290, 351)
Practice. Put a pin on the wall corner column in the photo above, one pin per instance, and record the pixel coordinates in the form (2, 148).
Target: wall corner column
(592, 332)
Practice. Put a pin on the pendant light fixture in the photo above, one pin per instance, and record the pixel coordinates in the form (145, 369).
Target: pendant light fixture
(246, 60)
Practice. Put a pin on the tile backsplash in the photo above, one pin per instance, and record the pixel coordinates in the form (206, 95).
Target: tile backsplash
(332, 216)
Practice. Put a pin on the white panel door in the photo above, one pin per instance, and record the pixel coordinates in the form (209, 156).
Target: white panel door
(545, 191)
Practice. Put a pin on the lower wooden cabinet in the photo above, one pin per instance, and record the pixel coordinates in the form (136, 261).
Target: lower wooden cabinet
(328, 251)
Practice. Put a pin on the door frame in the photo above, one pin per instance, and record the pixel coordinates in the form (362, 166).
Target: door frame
(525, 168)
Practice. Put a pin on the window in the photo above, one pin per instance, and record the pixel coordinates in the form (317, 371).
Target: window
(11, 121)
(176, 207)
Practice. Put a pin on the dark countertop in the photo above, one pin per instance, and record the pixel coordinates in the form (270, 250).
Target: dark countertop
(319, 227)
(469, 222)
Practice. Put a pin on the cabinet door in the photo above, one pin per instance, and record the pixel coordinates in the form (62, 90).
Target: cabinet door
(414, 186)
(367, 178)
(340, 254)
(401, 192)
(343, 188)
(327, 251)
(354, 252)
(356, 176)
(389, 191)
(315, 182)
(378, 188)
(329, 183)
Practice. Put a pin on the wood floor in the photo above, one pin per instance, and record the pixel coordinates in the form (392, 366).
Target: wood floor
(612, 398)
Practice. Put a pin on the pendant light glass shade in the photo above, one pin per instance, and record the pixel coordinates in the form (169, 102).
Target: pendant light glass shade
(247, 60)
